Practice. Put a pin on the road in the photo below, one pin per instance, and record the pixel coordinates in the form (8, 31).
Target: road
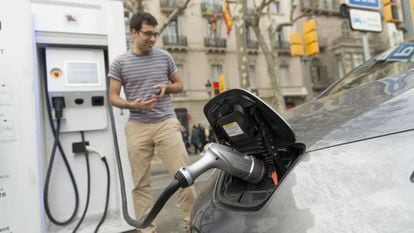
(169, 219)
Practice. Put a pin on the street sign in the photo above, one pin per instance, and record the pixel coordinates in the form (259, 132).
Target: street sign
(366, 4)
(365, 20)
(403, 53)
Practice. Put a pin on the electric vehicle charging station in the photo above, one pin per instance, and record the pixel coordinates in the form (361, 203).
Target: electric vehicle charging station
(55, 103)
(49, 49)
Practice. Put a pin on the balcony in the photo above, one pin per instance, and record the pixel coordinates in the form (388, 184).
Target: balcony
(308, 5)
(175, 43)
(167, 6)
(249, 12)
(346, 41)
(330, 8)
(282, 47)
(214, 44)
(207, 9)
(346, 44)
(252, 46)
(320, 6)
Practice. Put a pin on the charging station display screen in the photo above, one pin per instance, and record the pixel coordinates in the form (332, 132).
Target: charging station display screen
(82, 73)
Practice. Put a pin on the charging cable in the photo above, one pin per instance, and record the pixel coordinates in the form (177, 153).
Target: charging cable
(103, 158)
(58, 105)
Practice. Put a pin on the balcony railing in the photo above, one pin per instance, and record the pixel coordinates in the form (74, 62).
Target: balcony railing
(249, 12)
(325, 6)
(174, 40)
(170, 5)
(282, 45)
(321, 6)
(207, 9)
(212, 42)
(309, 4)
(252, 44)
(346, 41)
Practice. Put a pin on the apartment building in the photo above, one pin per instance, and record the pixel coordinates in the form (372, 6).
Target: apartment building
(341, 49)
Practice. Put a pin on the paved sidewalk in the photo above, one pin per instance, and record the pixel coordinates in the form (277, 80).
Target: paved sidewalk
(158, 168)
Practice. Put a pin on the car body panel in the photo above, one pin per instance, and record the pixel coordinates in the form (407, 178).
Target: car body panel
(357, 174)
(327, 193)
(378, 108)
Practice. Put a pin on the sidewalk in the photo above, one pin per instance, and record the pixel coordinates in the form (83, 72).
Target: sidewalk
(158, 168)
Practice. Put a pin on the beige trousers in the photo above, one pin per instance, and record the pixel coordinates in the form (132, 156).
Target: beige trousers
(142, 139)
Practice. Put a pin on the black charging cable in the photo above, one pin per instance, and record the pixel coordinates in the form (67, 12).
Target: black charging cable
(88, 175)
(58, 105)
(162, 199)
(108, 185)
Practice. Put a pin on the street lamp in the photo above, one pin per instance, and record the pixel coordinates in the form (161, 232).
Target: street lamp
(208, 88)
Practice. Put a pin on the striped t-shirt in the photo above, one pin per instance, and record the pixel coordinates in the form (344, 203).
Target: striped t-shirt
(138, 74)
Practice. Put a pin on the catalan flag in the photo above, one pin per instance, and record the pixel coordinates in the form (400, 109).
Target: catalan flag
(227, 17)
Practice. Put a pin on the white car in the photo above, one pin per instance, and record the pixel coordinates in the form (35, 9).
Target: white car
(344, 162)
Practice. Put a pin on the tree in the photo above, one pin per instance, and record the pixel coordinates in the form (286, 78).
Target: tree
(135, 6)
(266, 46)
(240, 32)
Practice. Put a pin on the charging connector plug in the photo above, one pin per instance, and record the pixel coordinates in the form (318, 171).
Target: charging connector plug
(58, 103)
(79, 147)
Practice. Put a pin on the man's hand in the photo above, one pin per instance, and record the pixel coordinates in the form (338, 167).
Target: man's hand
(143, 105)
(162, 87)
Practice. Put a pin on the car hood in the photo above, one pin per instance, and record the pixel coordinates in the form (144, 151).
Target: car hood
(371, 110)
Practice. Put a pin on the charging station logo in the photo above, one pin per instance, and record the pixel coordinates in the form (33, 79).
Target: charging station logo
(56, 73)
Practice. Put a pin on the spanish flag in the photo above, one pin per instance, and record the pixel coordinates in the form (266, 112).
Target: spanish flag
(228, 19)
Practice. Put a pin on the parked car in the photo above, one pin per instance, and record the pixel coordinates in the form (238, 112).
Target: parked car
(344, 161)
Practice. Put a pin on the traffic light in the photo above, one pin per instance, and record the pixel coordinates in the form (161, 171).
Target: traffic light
(222, 83)
(296, 44)
(216, 89)
(311, 37)
(391, 11)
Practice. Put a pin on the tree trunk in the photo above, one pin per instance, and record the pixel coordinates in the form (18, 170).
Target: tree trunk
(173, 15)
(241, 48)
(272, 63)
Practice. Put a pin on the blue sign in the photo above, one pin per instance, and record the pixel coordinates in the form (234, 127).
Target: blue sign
(402, 53)
(367, 4)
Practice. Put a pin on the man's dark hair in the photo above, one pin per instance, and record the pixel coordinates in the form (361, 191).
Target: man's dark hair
(142, 17)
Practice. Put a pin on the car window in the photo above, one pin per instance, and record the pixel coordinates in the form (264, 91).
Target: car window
(379, 67)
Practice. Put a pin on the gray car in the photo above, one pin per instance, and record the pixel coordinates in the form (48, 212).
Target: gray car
(341, 163)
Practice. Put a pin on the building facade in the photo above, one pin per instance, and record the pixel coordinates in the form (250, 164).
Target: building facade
(204, 52)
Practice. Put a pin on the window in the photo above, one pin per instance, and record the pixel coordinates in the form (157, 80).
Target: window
(358, 59)
(284, 76)
(127, 30)
(250, 34)
(213, 27)
(216, 70)
(345, 29)
(347, 62)
(328, 4)
(252, 76)
(172, 31)
(375, 69)
(280, 39)
(275, 7)
(180, 71)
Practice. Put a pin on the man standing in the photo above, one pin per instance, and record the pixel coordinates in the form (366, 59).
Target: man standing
(148, 75)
